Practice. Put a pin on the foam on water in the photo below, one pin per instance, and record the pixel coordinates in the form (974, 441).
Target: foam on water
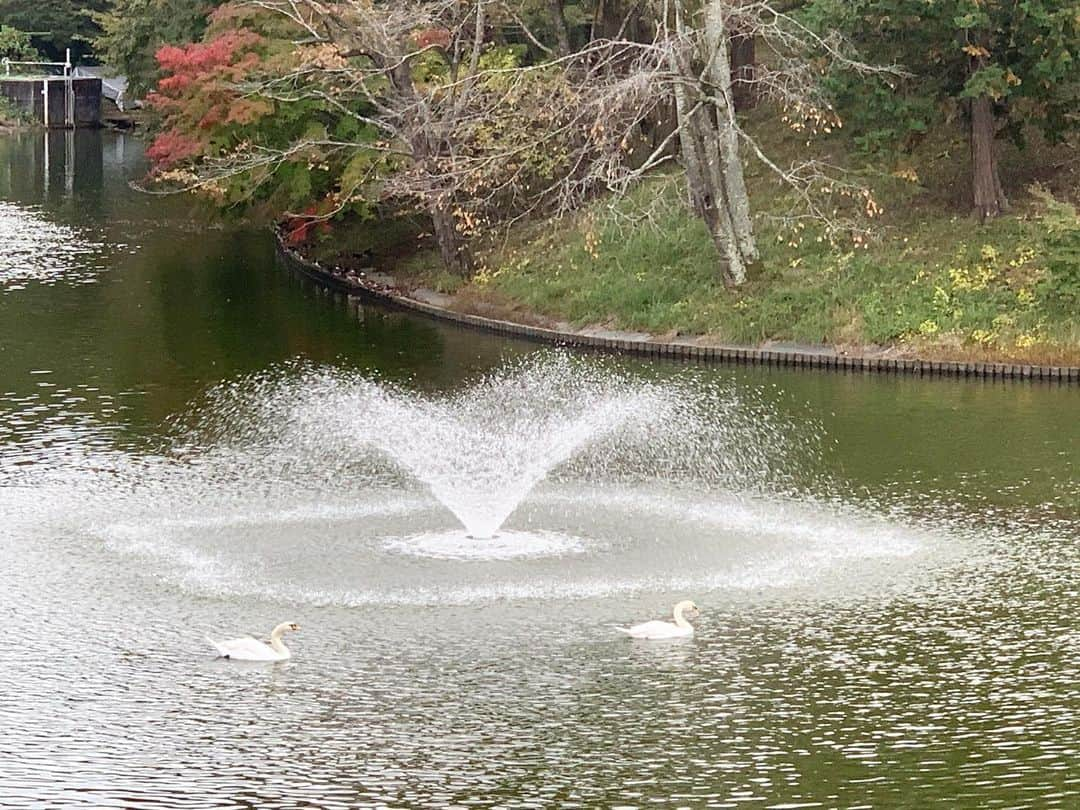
(639, 541)
(507, 545)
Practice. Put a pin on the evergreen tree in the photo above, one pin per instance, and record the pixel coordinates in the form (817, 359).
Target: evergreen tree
(133, 30)
(55, 25)
(1012, 64)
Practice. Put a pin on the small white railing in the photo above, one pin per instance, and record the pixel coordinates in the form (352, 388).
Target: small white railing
(66, 64)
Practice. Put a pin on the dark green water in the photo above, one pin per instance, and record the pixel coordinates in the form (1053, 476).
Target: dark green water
(943, 665)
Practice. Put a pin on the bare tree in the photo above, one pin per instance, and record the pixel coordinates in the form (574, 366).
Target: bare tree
(689, 62)
(363, 60)
(710, 139)
(477, 140)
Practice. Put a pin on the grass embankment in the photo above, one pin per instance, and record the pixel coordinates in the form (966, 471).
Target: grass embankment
(933, 283)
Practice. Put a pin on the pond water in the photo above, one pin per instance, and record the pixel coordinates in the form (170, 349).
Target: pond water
(196, 442)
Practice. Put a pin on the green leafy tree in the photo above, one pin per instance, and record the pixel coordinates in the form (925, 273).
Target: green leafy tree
(55, 25)
(16, 45)
(133, 30)
(1012, 64)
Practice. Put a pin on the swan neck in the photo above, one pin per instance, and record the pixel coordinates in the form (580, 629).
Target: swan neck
(276, 644)
(680, 619)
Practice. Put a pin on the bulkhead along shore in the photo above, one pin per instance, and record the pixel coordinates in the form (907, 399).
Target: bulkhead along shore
(388, 289)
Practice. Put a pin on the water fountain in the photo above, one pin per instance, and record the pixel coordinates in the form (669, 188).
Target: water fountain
(553, 476)
(481, 450)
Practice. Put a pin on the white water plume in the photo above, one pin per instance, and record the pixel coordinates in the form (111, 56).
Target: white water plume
(482, 449)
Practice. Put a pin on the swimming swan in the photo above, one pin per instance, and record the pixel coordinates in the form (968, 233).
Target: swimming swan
(680, 628)
(250, 649)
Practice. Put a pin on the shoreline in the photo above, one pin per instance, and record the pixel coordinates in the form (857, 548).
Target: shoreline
(383, 288)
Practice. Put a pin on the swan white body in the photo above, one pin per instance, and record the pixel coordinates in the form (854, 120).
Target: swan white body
(680, 628)
(251, 649)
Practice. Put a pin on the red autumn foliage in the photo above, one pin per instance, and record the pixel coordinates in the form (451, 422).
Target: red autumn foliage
(433, 37)
(170, 148)
(299, 229)
(198, 95)
(200, 57)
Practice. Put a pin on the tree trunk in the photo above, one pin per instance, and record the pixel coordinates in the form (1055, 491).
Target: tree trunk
(690, 145)
(562, 31)
(989, 196)
(616, 19)
(709, 144)
(599, 15)
(734, 183)
(424, 146)
(455, 254)
(743, 71)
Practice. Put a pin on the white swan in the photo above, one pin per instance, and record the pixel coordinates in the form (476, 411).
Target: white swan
(680, 628)
(251, 649)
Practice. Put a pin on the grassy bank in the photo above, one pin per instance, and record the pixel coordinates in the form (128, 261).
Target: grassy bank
(933, 282)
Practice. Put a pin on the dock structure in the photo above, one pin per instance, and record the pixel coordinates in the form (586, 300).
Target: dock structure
(64, 101)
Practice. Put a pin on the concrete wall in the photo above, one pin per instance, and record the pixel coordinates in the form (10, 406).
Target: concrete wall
(26, 94)
(87, 102)
(55, 104)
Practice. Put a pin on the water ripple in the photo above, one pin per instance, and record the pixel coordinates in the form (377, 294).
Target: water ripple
(37, 250)
(904, 651)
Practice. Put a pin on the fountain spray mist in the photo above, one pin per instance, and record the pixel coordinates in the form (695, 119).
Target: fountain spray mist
(311, 484)
(480, 450)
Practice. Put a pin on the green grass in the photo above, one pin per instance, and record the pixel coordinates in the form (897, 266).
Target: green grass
(934, 282)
